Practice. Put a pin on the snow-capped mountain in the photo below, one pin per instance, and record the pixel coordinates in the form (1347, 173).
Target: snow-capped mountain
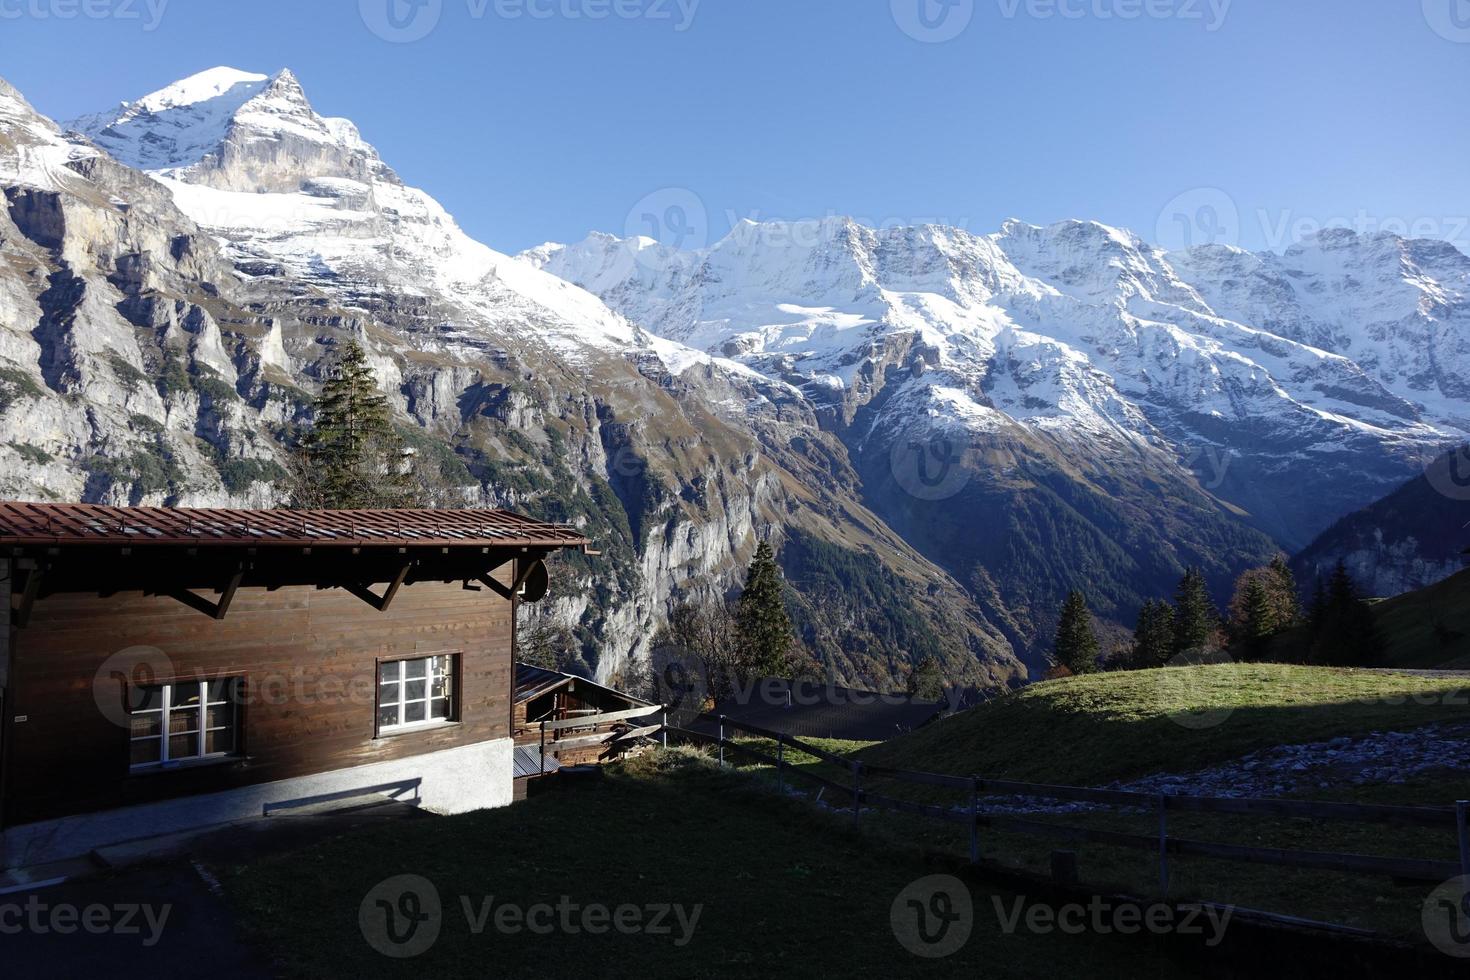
(1297, 387)
(174, 274)
(968, 425)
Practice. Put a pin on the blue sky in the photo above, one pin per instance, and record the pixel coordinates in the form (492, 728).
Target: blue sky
(1185, 120)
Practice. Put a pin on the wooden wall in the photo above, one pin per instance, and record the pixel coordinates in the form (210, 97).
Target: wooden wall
(309, 659)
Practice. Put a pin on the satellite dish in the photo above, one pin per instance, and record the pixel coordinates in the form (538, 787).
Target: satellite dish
(537, 584)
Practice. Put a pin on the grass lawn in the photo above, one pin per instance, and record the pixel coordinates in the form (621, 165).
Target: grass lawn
(1089, 731)
(784, 890)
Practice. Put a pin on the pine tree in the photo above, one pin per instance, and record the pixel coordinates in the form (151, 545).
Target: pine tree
(1195, 617)
(761, 622)
(1153, 639)
(1346, 634)
(352, 458)
(1258, 621)
(1076, 643)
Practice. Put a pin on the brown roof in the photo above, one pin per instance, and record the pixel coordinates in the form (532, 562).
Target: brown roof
(69, 524)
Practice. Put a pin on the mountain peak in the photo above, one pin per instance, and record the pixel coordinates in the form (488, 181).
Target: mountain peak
(233, 130)
(203, 86)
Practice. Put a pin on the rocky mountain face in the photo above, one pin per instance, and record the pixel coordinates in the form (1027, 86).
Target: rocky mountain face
(177, 271)
(1046, 408)
(1413, 538)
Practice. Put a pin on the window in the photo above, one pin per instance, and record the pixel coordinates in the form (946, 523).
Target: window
(415, 692)
(184, 721)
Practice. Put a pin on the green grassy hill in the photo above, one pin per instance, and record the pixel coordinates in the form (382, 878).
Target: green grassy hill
(1095, 729)
(1429, 628)
(1424, 630)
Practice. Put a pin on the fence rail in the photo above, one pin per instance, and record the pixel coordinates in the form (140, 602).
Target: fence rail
(1452, 818)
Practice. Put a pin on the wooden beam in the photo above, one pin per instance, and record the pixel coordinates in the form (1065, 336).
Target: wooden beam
(381, 603)
(496, 587)
(25, 602)
(214, 610)
(603, 718)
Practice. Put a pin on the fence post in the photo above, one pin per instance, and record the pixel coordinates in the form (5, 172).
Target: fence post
(543, 746)
(664, 722)
(1163, 846)
(1462, 822)
(974, 819)
(857, 792)
(780, 762)
(722, 741)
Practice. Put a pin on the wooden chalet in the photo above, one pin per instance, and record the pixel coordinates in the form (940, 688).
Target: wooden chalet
(563, 720)
(165, 670)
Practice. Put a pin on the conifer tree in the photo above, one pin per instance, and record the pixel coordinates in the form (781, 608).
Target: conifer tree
(1195, 617)
(352, 458)
(1076, 643)
(1153, 640)
(1345, 632)
(761, 622)
(1258, 620)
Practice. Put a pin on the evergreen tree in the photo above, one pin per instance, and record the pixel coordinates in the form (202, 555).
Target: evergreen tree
(1076, 643)
(1153, 639)
(761, 622)
(1258, 620)
(352, 458)
(1195, 617)
(1346, 634)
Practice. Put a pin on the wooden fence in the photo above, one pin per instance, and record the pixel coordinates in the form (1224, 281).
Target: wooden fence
(1451, 819)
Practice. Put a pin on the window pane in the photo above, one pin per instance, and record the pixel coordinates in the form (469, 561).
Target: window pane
(219, 742)
(415, 690)
(413, 712)
(185, 695)
(390, 672)
(147, 724)
(221, 716)
(183, 721)
(389, 693)
(387, 715)
(439, 709)
(146, 751)
(440, 687)
(145, 698)
(183, 747)
(415, 668)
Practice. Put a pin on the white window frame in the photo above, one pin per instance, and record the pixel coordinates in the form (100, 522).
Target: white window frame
(165, 737)
(400, 688)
